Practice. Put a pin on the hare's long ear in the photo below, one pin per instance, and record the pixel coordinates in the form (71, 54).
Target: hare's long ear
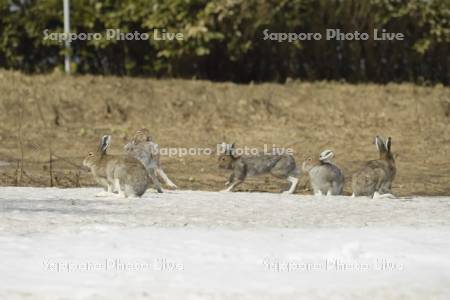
(380, 144)
(145, 133)
(136, 137)
(388, 144)
(222, 148)
(104, 143)
(233, 151)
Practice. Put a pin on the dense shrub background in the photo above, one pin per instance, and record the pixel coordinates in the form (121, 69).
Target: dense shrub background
(224, 39)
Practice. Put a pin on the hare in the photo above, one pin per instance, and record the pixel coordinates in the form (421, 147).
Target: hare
(120, 173)
(325, 177)
(146, 151)
(278, 165)
(376, 177)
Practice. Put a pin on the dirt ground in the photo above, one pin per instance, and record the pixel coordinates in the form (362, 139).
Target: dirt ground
(63, 117)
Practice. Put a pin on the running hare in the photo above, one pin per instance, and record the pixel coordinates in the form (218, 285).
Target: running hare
(146, 151)
(325, 177)
(376, 177)
(120, 173)
(278, 165)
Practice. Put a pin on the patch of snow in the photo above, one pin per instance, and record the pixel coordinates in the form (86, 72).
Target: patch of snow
(67, 244)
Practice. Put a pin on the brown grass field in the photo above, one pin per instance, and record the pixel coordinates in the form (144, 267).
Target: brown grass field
(62, 117)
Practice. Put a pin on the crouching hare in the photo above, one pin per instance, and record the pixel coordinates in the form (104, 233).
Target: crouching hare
(278, 165)
(325, 177)
(376, 176)
(146, 151)
(120, 173)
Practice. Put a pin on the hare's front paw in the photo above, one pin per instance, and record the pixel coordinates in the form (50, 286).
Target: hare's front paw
(120, 194)
(377, 195)
(104, 194)
(227, 183)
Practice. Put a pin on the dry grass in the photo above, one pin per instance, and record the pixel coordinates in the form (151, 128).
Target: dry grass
(63, 117)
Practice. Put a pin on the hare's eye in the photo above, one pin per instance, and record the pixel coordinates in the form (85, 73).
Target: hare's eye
(91, 154)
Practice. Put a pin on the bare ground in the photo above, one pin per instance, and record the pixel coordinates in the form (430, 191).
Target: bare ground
(65, 116)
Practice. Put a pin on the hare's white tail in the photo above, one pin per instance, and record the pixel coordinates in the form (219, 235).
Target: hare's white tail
(165, 178)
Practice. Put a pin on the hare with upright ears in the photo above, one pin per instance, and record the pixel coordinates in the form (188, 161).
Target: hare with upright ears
(120, 173)
(278, 165)
(376, 177)
(146, 151)
(325, 177)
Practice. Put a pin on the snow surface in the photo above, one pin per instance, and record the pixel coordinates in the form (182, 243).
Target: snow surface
(68, 244)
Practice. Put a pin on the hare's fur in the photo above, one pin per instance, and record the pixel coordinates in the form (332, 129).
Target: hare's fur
(278, 165)
(376, 176)
(147, 152)
(117, 173)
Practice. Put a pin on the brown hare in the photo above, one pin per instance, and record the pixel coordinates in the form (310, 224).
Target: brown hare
(278, 165)
(143, 148)
(376, 176)
(120, 173)
(325, 177)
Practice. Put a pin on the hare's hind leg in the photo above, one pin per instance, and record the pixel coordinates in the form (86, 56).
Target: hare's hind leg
(385, 188)
(294, 182)
(166, 179)
(154, 178)
(365, 183)
(336, 189)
